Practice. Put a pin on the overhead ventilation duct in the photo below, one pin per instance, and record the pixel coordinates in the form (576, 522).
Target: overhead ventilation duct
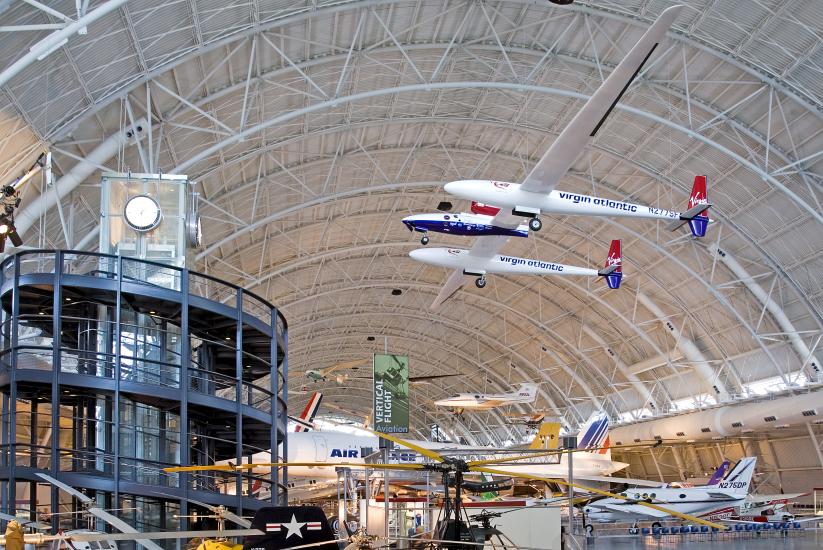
(28, 216)
(726, 420)
(807, 358)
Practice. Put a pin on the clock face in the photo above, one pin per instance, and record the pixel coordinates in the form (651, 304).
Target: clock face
(142, 213)
(195, 231)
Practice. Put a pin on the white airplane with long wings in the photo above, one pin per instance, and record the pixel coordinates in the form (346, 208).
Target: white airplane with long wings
(527, 393)
(483, 257)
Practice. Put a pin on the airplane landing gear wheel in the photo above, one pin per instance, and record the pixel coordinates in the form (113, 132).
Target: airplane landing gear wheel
(656, 524)
(589, 530)
(424, 240)
(535, 224)
(480, 282)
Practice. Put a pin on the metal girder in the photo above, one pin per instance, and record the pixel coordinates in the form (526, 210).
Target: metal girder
(647, 241)
(331, 10)
(428, 416)
(415, 338)
(739, 232)
(566, 344)
(719, 114)
(56, 40)
(497, 304)
(411, 88)
(490, 343)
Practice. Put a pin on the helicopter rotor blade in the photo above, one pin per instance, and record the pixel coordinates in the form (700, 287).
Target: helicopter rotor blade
(85, 499)
(160, 535)
(222, 511)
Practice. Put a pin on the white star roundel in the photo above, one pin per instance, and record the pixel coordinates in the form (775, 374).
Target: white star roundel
(293, 527)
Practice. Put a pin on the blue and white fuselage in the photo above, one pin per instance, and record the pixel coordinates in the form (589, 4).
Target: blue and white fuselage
(461, 224)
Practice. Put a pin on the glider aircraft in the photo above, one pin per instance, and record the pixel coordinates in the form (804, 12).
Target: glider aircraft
(534, 195)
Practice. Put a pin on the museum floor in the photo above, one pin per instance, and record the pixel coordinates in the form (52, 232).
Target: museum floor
(810, 539)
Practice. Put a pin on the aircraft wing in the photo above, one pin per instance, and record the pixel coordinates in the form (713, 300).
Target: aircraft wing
(722, 495)
(565, 150)
(630, 481)
(484, 248)
(631, 509)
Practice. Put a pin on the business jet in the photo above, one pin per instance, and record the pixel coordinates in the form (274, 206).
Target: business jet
(527, 393)
(480, 222)
(712, 502)
(527, 200)
(470, 262)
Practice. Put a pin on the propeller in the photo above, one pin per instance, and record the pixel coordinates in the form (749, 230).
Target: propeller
(98, 512)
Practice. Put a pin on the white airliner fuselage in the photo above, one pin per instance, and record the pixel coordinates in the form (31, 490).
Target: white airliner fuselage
(510, 196)
(334, 447)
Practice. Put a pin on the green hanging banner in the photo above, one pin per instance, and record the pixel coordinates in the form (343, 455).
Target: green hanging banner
(391, 393)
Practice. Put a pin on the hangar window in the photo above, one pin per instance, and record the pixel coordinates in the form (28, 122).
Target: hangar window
(635, 414)
(773, 384)
(689, 403)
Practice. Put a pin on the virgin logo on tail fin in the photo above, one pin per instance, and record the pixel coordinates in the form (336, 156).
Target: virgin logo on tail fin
(304, 421)
(697, 213)
(699, 222)
(614, 265)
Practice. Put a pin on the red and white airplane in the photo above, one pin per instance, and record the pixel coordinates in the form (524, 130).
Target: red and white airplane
(529, 199)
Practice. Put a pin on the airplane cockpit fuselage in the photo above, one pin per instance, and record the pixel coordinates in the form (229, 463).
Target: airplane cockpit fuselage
(460, 224)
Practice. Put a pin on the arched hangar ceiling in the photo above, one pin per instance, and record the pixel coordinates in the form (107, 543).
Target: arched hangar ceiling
(313, 127)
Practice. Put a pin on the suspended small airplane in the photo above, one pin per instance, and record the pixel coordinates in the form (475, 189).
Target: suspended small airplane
(526, 393)
(318, 375)
(467, 262)
(530, 198)
(480, 222)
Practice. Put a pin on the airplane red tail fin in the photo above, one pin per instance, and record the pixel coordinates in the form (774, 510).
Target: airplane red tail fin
(697, 211)
(613, 272)
(698, 200)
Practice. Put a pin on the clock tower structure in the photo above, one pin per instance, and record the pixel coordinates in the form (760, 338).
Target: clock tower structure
(150, 217)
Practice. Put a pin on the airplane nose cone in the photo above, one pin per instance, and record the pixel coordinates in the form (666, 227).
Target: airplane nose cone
(457, 188)
(417, 253)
